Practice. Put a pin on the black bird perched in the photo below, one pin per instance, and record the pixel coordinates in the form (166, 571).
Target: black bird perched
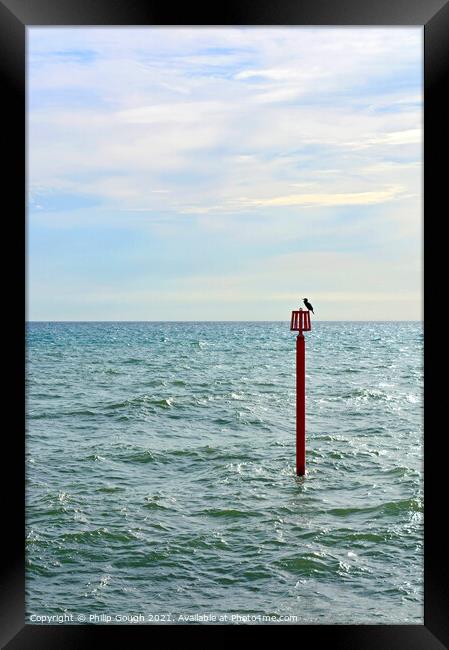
(308, 305)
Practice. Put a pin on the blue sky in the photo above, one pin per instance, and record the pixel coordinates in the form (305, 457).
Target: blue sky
(224, 173)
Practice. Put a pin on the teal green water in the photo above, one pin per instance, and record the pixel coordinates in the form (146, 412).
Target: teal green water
(161, 481)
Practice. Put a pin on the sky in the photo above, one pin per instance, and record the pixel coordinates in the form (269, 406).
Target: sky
(202, 173)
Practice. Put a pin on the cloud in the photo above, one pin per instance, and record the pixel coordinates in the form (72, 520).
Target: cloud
(278, 105)
(407, 136)
(354, 198)
(233, 134)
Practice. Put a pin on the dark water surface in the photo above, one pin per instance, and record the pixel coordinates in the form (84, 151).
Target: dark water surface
(161, 479)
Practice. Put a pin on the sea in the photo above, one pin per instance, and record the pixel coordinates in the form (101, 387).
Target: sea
(161, 484)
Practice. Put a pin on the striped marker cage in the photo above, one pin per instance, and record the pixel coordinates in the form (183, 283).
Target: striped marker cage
(300, 321)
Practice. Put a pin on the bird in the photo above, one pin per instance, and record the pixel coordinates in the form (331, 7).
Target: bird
(308, 305)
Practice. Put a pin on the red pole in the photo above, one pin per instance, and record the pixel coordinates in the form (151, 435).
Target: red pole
(300, 405)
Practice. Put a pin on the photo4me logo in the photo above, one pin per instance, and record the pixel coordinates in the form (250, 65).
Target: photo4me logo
(235, 618)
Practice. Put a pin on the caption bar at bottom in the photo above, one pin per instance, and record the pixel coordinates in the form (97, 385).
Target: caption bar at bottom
(56, 619)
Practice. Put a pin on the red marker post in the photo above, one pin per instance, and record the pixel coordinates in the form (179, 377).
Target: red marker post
(300, 323)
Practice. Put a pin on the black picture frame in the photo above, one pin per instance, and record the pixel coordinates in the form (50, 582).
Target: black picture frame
(433, 15)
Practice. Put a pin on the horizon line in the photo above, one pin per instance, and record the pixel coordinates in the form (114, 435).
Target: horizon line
(336, 320)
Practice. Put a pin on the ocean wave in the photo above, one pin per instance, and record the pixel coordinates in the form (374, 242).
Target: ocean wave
(309, 564)
(386, 508)
(96, 536)
(231, 513)
(143, 456)
(146, 401)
